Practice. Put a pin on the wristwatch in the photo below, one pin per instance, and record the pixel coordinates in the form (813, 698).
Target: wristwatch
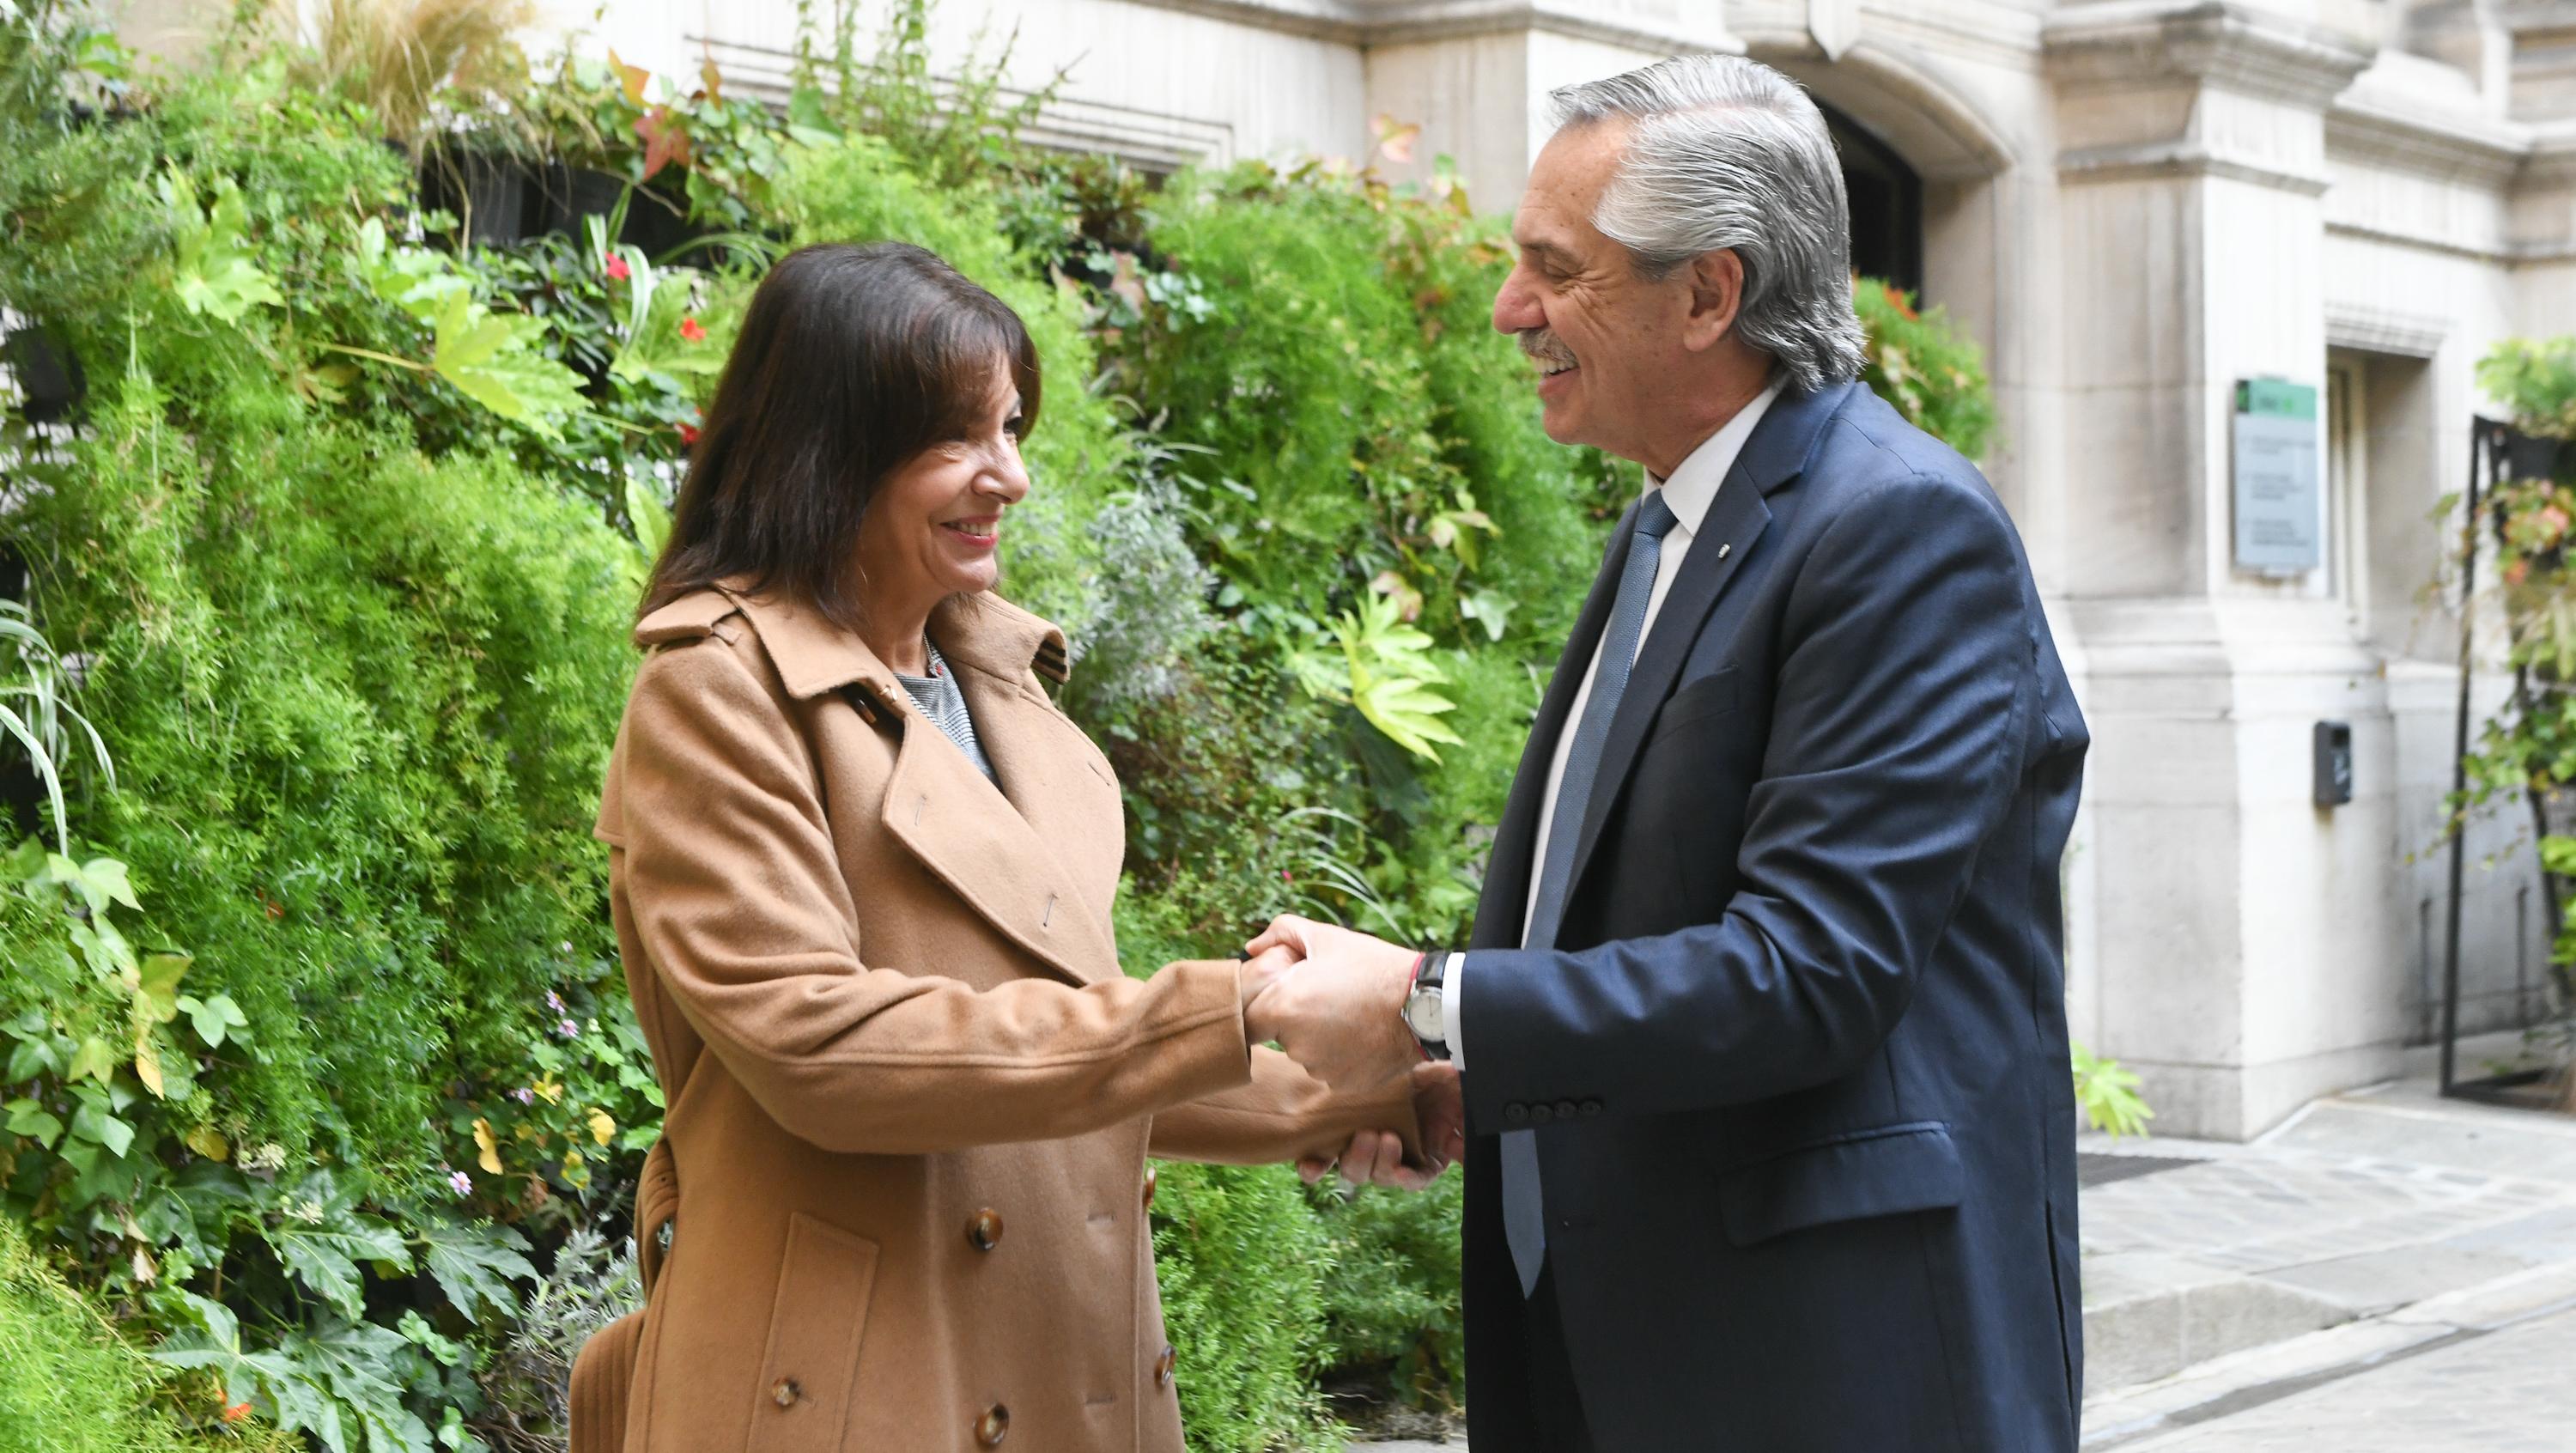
(1422, 1010)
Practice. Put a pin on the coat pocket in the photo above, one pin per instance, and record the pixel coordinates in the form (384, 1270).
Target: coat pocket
(815, 1324)
(1879, 1172)
(1715, 694)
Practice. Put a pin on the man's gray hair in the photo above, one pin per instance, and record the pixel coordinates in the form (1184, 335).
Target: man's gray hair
(1729, 153)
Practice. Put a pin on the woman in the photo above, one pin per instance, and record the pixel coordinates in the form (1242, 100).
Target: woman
(861, 870)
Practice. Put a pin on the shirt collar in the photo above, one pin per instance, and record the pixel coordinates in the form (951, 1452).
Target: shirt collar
(1693, 487)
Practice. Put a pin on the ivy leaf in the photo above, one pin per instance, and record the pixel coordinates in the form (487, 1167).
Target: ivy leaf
(32, 1120)
(324, 1255)
(156, 992)
(94, 1059)
(214, 1018)
(96, 1125)
(31, 1058)
(474, 1265)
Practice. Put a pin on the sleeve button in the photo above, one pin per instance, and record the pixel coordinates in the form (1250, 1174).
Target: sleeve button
(1567, 1110)
(1516, 1113)
(1591, 1108)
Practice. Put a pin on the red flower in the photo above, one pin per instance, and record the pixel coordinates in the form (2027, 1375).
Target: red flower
(616, 267)
(690, 330)
(688, 434)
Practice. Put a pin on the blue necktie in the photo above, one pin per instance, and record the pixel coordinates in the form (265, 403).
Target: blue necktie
(1524, 1215)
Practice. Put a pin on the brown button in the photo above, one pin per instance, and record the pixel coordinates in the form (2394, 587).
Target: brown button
(984, 1232)
(994, 1426)
(1153, 1178)
(1163, 1365)
(784, 1392)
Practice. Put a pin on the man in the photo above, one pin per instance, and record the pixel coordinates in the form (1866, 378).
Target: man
(1760, 1031)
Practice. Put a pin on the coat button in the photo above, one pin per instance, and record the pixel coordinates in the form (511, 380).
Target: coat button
(984, 1232)
(784, 1392)
(1516, 1112)
(1153, 1178)
(994, 1426)
(1163, 1365)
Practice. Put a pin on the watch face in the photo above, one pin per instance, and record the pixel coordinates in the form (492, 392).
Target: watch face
(1422, 1014)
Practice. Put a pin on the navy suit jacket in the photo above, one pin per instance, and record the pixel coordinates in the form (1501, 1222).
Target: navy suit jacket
(1798, 1063)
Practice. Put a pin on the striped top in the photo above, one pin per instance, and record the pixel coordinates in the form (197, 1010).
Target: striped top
(940, 700)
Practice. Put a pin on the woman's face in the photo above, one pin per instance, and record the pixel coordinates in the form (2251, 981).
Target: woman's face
(935, 523)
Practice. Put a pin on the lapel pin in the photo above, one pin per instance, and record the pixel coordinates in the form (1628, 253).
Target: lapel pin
(1724, 549)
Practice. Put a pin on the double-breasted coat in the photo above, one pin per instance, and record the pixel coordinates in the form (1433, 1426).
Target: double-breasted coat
(910, 1093)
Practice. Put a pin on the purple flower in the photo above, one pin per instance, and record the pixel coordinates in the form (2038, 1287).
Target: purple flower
(524, 1095)
(464, 1183)
(554, 1003)
(568, 1029)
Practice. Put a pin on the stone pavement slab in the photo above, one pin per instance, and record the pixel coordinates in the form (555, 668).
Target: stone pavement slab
(2503, 1392)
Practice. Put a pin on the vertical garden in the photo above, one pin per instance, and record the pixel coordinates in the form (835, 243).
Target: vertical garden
(350, 374)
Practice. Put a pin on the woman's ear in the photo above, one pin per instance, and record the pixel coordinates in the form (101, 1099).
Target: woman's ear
(1716, 295)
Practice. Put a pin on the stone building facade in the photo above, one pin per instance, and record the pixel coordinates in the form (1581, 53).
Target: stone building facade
(2133, 205)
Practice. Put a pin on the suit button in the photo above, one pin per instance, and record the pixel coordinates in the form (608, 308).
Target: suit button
(1591, 1108)
(994, 1426)
(1152, 1179)
(984, 1232)
(784, 1392)
(1567, 1110)
(1163, 1365)
(1515, 1113)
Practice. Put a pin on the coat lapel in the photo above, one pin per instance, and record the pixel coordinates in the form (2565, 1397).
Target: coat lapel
(984, 846)
(1772, 457)
(1503, 902)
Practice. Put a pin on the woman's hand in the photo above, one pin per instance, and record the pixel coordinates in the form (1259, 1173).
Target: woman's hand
(1376, 1157)
(1262, 970)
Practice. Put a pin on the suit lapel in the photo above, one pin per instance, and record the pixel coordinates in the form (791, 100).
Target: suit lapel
(1772, 457)
(1504, 900)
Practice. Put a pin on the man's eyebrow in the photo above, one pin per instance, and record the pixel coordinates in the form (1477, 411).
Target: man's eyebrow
(1543, 250)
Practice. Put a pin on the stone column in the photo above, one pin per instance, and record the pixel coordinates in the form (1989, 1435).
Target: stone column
(1475, 75)
(2244, 936)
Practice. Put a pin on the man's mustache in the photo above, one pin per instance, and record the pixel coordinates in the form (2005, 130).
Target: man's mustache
(1543, 346)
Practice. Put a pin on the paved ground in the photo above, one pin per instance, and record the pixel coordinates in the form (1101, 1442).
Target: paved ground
(2389, 1272)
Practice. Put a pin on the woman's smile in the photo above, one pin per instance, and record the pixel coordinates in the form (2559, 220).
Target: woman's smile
(978, 533)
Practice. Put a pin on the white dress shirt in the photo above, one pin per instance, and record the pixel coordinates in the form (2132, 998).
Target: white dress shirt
(1690, 491)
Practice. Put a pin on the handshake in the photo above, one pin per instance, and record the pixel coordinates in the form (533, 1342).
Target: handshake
(1333, 1000)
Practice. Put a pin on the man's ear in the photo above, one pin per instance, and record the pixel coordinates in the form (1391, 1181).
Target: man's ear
(1716, 294)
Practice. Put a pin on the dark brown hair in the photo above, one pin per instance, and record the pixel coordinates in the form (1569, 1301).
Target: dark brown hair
(851, 361)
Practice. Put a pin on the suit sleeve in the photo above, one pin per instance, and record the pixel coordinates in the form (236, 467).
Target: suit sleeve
(1282, 1114)
(1905, 672)
(734, 894)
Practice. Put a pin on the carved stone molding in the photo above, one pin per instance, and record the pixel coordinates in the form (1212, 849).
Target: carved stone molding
(2209, 42)
(1669, 26)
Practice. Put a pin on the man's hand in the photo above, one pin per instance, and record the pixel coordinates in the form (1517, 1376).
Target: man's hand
(1339, 1013)
(1376, 1157)
(1264, 968)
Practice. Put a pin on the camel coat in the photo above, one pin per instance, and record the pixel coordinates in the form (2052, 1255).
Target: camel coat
(910, 1092)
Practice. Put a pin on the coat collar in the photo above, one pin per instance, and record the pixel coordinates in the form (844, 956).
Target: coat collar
(814, 656)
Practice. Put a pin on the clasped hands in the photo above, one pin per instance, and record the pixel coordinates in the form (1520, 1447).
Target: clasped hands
(1333, 999)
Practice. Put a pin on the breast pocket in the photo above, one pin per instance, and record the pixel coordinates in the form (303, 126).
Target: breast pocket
(1711, 696)
(815, 1325)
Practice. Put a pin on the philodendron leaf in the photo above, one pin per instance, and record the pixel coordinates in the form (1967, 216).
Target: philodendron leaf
(475, 1264)
(216, 277)
(324, 1254)
(492, 359)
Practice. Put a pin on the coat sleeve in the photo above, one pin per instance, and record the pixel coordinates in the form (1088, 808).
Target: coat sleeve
(1904, 688)
(734, 894)
(1282, 1114)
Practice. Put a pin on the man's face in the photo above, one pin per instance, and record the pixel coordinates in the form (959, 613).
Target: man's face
(1607, 342)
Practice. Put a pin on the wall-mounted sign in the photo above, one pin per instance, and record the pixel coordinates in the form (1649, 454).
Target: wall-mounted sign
(2279, 527)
